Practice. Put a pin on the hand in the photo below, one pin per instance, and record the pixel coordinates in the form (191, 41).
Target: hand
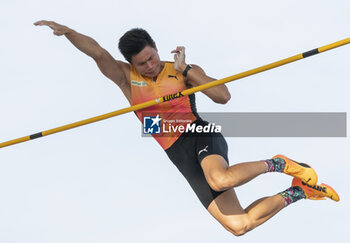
(57, 28)
(179, 57)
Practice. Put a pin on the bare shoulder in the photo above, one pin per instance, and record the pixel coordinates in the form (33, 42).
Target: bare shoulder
(115, 70)
(125, 68)
(122, 78)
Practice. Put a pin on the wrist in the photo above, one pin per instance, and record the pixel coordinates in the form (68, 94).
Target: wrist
(188, 68)
(68, 31)
(182, 67)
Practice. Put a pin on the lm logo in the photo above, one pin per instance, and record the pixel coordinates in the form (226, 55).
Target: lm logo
(151, 124)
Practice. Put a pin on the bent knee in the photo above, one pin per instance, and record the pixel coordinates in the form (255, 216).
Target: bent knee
(220, 182)
(238, 228)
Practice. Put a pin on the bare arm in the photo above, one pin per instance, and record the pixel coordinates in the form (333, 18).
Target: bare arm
(196, 76)
(111, 68)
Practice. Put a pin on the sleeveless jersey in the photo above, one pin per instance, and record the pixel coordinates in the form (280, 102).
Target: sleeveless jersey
(180, 111)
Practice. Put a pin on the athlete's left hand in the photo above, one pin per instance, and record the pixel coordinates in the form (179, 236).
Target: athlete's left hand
(179, 58)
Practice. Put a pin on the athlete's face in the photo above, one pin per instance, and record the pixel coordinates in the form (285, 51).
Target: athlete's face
(147, 62)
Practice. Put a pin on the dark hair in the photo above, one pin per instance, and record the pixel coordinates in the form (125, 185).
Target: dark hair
(133, 41)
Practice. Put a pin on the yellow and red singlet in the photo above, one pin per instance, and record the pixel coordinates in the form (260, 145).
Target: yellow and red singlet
(168, 81)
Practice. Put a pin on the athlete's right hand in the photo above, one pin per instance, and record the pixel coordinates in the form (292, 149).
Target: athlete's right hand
(57, 28)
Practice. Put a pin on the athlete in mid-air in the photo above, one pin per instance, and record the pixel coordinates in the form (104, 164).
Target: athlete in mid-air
(201, 157)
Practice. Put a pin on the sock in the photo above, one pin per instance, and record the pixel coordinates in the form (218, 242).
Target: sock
(275, 165)
(292, 195)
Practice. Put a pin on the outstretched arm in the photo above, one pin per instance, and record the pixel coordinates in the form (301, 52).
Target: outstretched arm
(196, 76)
(84, 43)
(111, 68)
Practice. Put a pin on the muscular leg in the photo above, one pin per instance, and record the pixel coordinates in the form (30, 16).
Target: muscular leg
(221, 177)
(228, 211)
(226, 207)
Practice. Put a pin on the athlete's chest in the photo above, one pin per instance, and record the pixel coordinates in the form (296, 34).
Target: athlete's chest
(144, 88)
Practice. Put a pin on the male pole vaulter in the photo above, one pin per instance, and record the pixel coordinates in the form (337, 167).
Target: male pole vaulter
(200, 157)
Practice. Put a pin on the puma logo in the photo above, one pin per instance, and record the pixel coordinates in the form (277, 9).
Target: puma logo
(172, 76)
(203, 150)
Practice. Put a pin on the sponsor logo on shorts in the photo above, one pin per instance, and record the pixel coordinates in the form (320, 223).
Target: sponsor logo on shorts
(203, 150)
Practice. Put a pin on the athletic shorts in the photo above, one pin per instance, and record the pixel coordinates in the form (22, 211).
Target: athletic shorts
(187, 154)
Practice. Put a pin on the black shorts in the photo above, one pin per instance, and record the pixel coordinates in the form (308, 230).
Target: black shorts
(188, 152)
